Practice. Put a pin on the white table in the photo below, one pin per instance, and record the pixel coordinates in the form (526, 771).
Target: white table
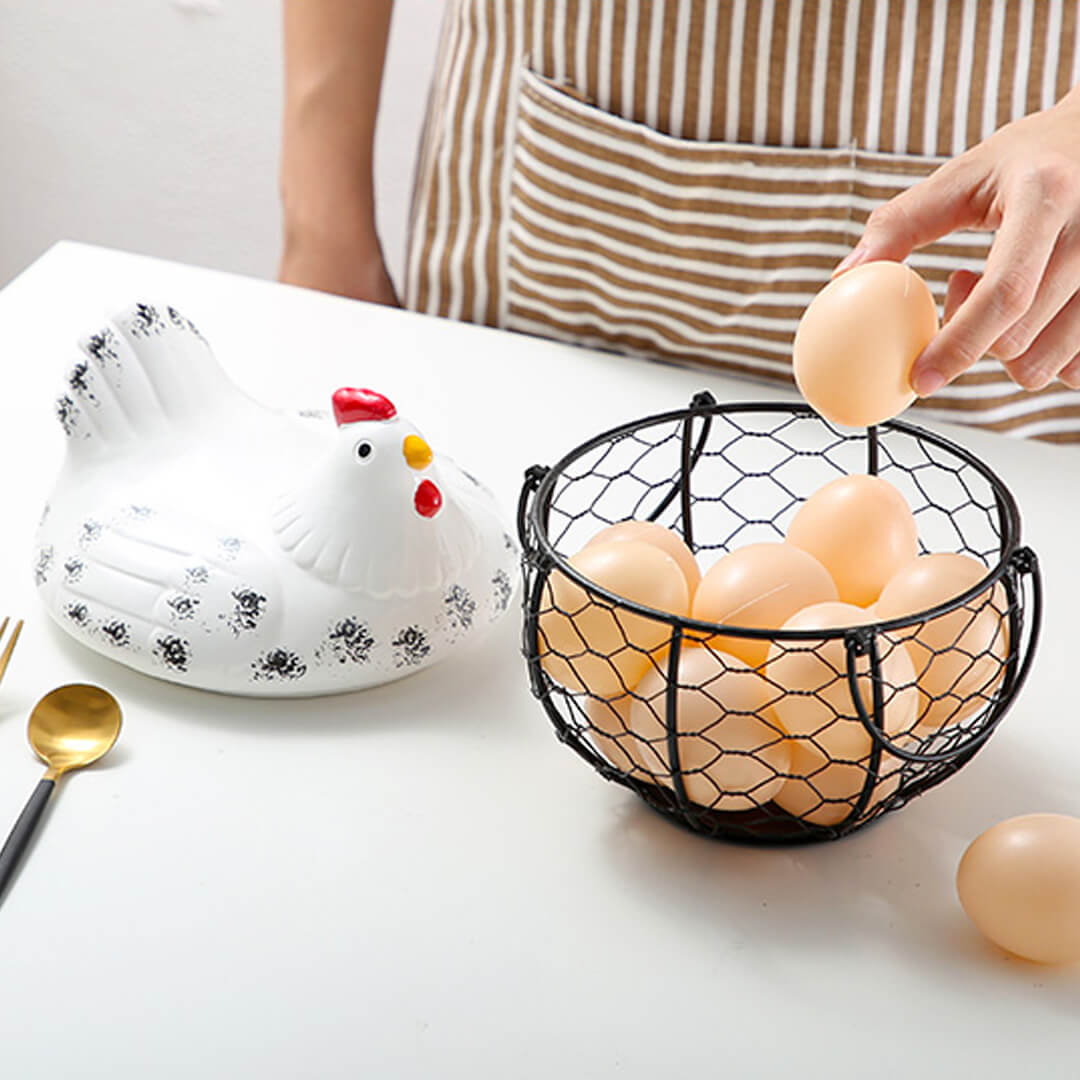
(420, 880)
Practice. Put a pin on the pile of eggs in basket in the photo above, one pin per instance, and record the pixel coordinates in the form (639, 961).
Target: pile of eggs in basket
(771, 719)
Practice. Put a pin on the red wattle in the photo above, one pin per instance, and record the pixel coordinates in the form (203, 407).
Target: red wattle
(428, 499)
(352, 404)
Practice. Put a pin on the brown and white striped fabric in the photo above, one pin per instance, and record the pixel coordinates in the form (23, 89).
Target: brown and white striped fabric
(677, 178)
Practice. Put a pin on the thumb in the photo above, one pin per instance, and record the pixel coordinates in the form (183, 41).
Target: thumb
(925, 212)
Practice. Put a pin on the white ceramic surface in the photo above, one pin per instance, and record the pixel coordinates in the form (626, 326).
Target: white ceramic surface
(198, 536)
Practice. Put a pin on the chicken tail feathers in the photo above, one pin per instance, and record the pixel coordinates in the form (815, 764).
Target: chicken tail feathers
(148, 370)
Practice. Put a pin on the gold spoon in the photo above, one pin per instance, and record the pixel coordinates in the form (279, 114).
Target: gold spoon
(70, 727)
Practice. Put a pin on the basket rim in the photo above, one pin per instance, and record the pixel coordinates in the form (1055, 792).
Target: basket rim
(1008, 512)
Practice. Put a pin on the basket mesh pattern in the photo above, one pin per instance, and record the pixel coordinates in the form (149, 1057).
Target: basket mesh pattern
(834, 729)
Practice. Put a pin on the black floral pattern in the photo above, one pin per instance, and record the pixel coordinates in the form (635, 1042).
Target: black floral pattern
(460, 607)
(349, 641)
(102, 347)
(145, 320)
(503, 591)
(73, 570)
(278, 664)
(45, 558)
(250, 606)
(67, 412)
(183, 606)
(410, 647)
(117, 633)
(174, 652)
(78, 613)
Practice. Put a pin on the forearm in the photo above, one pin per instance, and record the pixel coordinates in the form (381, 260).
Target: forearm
(334, 53)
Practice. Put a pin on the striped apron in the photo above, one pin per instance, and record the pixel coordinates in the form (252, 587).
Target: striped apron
(677, 178)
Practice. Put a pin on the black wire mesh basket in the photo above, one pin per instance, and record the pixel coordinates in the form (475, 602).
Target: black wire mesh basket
(886, 710)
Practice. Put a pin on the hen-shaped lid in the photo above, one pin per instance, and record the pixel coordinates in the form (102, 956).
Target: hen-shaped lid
(374, 515)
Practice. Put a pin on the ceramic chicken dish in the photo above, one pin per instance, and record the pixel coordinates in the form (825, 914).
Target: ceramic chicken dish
(201, 537)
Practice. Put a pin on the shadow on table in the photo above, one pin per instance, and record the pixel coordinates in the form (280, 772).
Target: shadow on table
(888, 889)
(459, 691)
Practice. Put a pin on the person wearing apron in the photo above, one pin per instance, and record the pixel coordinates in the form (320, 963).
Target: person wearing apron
(678, 178)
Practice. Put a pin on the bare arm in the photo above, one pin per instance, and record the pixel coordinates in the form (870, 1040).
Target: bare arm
(334, 53)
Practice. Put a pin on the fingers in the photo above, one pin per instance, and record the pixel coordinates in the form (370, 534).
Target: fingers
(1070, 374)
(1051, 352)
(943, 202)
(961, 282)
(1014, 272)
(1059, 283)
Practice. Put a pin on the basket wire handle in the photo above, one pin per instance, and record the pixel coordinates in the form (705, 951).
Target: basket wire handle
(862, 641)
(703, 400)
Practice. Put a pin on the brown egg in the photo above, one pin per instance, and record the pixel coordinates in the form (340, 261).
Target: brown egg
(861, 529)
(959, 657)
(759, 586)
(611, 734)
(586, 644)
(825, 792)
(648, 532)
(732, 755)
(1019, 883)
(858, 339)
(831, 752)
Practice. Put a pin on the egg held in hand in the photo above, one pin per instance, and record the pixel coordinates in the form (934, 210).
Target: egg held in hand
(858, 339)
(648, 532)
(732, 756)
(832, 750)
(861, 529)
(759, 586)
(1019, 883)
(588, 644)
(959, 657)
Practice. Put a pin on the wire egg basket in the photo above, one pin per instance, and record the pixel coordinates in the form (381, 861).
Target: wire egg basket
(895, 706)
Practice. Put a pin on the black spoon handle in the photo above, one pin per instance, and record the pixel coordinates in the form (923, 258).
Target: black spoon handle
(20, 835)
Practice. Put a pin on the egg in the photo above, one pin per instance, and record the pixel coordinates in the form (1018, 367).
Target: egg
(588, 645)
(648, 532)
(1019, 883)
(611, 734)
(832, 750)
(825, 792)
(861, 529)
(858, 339)
(732, 756)
(959, 657)
(759, 586)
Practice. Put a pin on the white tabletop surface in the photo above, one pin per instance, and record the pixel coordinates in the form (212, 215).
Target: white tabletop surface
(419, 880)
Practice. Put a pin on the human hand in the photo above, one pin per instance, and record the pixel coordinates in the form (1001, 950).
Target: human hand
(1024, 309)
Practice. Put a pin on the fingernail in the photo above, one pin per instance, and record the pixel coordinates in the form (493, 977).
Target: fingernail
(855, 256)
(927, 382)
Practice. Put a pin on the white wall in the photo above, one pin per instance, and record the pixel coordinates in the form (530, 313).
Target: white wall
(153, 125)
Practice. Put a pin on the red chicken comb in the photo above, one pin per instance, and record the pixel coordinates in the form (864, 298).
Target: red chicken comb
(352, 404)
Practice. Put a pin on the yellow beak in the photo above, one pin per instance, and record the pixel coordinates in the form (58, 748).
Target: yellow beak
(417, 452)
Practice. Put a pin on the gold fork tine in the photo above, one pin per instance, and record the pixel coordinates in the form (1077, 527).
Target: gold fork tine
(5, 656)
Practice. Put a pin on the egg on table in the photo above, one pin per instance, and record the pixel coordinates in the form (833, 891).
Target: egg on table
(648, 532)
(858, 339)
(589, 645)
(959, 657)
(861, 529)
(759, 586)
(1019, 883)
(831, 752)
(732, 756)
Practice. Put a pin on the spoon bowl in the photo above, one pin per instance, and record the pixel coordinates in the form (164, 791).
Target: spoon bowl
(69, 727)
(73, 726)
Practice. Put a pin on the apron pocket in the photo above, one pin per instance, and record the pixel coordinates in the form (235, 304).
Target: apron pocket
(627, 239)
